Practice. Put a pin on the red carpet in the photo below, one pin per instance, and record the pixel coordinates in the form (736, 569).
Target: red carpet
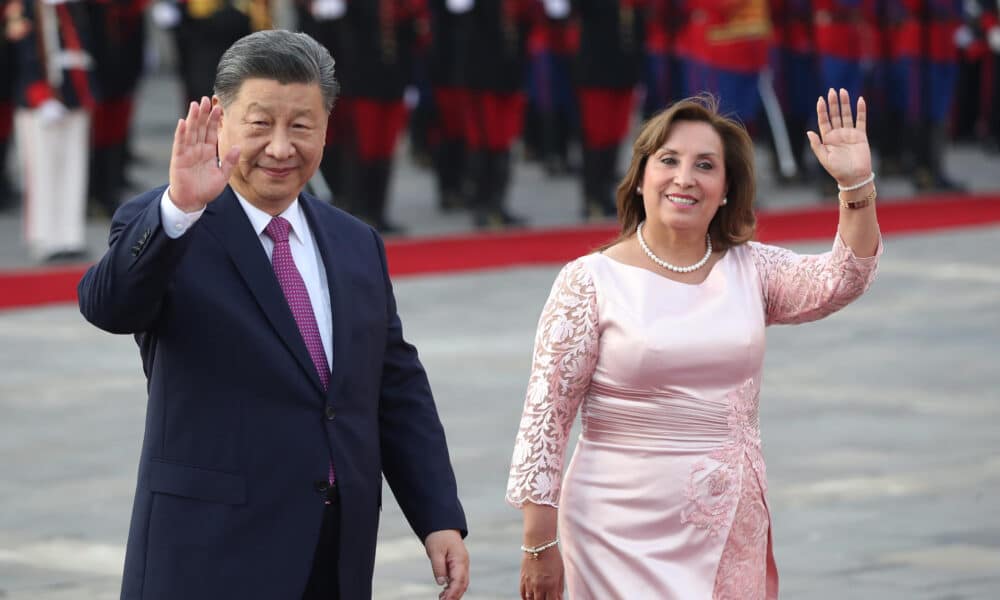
(31, 287)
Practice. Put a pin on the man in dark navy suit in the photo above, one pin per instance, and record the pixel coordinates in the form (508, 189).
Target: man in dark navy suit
(280, 386)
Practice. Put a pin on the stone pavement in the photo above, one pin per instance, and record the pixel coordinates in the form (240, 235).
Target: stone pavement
(879, 429)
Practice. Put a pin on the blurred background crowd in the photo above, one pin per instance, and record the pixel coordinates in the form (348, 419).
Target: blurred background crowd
(468, 81)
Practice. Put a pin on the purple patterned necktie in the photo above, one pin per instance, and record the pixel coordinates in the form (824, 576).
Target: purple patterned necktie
(295, 291)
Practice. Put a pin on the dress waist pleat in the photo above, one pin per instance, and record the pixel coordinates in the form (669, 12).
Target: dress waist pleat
(659, 422)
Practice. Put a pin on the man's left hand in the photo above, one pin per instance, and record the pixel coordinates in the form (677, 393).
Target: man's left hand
(449, 562)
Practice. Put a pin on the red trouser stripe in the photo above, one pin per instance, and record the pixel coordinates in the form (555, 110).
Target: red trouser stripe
(338, 125)
(450, 104)
(6, 120)
(605, 114)
(493, 121)
(111, 121)
(378, 124)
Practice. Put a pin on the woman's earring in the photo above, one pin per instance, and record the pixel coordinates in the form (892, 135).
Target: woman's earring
(725, 201)
(638, 190)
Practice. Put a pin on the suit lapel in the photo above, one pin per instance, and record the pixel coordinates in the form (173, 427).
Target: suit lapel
(228, 222)
(326, 240)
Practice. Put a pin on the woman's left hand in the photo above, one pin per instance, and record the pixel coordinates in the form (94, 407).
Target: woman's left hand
(843, 149)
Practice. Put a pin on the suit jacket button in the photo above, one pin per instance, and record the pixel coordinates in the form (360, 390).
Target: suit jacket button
(321, 486)
(330, 413)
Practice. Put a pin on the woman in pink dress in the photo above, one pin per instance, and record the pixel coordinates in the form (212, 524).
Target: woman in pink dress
(658, 341)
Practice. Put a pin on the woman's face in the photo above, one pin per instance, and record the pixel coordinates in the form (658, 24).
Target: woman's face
(685, 180)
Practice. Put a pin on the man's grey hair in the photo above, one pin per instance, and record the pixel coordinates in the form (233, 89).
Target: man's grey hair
(279, 55)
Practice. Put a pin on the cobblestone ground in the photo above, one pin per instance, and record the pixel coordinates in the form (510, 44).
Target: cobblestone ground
(879, 427)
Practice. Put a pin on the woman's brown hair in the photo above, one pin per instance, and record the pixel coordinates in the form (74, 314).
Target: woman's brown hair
(734, 223)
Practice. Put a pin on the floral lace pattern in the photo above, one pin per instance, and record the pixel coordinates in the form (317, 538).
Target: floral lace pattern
(805, 287)
(713, 492)
(742, 573)
(565, 355)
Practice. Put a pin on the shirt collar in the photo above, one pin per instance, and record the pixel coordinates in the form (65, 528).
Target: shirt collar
(260, 219)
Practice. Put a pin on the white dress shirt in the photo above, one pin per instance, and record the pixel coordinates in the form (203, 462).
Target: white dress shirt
(305, 253)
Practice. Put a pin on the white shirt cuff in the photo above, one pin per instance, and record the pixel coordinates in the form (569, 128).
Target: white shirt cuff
(175, 221)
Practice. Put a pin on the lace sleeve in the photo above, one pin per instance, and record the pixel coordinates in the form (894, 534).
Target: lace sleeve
(564, 359)
(800, 288)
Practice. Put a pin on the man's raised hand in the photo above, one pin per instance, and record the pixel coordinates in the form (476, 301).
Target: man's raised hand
(197, 176)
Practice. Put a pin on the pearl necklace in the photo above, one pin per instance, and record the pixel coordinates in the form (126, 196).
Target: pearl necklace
(668, 266)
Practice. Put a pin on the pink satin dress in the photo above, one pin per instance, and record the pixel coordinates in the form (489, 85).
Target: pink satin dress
(665, 496)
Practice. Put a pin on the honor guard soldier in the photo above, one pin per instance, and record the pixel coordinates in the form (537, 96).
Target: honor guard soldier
(553, 44)
(794, 63)
(991, 29)
(203, 30)
(660, 74)
(734, 51)
(119, 42)
(449, 154)
(923, 70)
(8, 197)
(492, 38)
(976, 117)
(55, 94)
(607, 71)
(845, 43)
(326, 21)
(973, 55)
(379, 43)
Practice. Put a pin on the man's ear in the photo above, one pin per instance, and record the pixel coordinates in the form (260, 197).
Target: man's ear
(217, 102)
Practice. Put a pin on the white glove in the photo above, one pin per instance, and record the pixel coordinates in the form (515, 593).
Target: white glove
(993, 38)
(411, 97)
(460, 6)
(328, 10)
(51, 111)
(963, 36)
(166, 15)
(556, 9)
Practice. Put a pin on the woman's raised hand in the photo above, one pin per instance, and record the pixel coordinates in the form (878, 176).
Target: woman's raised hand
(842, 144)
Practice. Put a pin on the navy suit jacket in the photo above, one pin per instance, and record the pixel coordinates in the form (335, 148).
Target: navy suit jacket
(239, 432)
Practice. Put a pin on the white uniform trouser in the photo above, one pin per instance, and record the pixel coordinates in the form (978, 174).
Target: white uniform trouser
(54, 158)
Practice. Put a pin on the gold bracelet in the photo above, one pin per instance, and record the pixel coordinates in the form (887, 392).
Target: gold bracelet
(854, 204)
(535, 550)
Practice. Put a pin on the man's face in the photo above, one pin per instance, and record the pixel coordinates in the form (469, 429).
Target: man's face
(280, 130)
